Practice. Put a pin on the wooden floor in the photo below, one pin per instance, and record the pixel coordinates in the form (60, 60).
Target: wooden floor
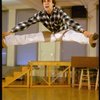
(49, 94)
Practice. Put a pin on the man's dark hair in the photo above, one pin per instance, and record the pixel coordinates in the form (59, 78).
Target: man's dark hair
(54, 2)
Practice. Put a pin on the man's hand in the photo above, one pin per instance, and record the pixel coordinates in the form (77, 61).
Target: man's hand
(87, 34)
(4, 34)
(3, 44)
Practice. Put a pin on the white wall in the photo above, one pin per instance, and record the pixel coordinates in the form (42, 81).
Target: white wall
(11, 49)
(92, 24)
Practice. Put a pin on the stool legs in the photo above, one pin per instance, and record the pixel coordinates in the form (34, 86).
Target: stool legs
(84, 77)
(97, 80)
(80, 82)
(89, 86)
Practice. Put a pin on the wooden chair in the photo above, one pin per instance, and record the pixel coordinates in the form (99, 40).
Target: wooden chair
(85, 63)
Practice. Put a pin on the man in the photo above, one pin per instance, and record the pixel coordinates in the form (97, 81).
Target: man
(53, 18)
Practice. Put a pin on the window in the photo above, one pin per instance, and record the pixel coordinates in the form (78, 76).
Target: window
(25, 53)
(4, 29)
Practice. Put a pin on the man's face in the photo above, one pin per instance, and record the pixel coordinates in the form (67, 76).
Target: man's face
(47, 4)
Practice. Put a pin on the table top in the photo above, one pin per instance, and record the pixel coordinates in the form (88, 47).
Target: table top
(49, 63)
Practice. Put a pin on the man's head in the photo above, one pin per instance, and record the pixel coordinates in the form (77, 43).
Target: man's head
(53, 1)
(48, 4)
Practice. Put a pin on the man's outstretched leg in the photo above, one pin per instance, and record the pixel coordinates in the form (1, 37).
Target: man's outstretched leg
(81, 38)
(13, 39)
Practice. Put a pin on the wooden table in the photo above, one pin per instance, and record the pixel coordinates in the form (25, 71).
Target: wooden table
(82, 62)
(47, 65)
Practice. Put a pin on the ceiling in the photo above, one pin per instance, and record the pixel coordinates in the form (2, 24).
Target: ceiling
(36, 4)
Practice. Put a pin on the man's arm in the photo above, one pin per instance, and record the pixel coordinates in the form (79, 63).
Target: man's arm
(75, 25)
(71, 22)
(13, 39)
(25, 24)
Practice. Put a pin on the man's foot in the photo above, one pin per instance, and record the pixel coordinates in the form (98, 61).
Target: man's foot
(92, 39)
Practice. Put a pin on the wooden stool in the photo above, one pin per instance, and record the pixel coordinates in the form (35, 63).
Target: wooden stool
(97, 80)
(84, 76)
